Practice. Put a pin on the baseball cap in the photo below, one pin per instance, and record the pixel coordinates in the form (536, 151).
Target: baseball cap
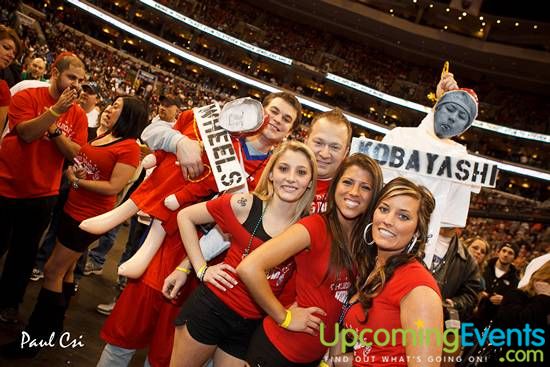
(91, 88)
(172, 100)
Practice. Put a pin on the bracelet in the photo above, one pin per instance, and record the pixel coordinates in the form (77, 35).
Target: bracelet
(75, 183)
(54, 114)
(183, 270)
(287, 320)
(202, 271)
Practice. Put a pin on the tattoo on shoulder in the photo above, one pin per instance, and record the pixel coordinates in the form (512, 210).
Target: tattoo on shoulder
(242, 201)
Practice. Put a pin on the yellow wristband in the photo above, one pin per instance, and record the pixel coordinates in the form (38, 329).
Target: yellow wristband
(323, 364)
(184, 270)
(200, 273)
(54, 114)
(287, 320)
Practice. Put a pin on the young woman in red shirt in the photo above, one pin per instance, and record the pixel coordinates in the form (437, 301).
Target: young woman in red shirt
(323, 248)
(102, 169)
(220, 316)
(394, 289)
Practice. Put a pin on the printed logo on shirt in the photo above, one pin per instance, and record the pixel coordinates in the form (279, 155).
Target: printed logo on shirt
(92, 171)
(319, 204)
(279, 274)
(340, 290)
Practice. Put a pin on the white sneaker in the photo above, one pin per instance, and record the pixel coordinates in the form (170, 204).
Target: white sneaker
(106, 308)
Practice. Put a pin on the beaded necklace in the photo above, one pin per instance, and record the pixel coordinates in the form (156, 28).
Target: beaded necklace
(247, 250)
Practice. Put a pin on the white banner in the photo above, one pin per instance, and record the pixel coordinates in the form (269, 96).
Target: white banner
(219, 148)
(465, 170)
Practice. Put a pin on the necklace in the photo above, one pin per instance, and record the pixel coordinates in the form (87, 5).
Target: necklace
(247, 250)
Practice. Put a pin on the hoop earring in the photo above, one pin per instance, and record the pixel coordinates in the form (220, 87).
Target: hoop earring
(365, 235)
(410, 246)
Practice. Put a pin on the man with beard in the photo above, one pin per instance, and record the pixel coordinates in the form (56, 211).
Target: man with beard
(46, 127)
(35, 71)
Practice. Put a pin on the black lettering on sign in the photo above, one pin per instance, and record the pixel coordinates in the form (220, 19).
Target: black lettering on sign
(223, 150)
(465, 172)
(483, 172)
(396, 157)
(365, 146)
(385, 153)
(414, 162)
(233, 177)
(431, 160)
(445, 166)
(219, 162)
(218, 137)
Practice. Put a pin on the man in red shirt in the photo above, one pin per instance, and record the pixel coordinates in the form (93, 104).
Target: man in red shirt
(46, 127)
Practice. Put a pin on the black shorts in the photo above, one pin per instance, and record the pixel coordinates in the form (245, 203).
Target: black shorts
(211, 322)
(262, 353)
(73, 237)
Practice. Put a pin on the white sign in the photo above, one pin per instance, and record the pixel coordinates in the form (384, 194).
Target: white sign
(219, 148)
(466, 170)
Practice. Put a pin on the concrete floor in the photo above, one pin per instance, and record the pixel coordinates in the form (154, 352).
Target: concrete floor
(82, 319)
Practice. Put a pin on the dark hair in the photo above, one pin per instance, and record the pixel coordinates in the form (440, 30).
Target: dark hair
(336, 116)
(132, 119)
(370, 280)
(288, 98)
(7, 32)
(342, 253)
(512, 246)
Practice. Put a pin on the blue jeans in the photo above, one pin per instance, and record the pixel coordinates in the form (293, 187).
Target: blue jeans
(113, 356)
(106, 242)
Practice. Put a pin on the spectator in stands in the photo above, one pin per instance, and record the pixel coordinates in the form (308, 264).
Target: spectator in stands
(46, 127)
(457, 274)
(479, 249)
(88, 100)
(10, 47)
(528, 305)
(500, 277)
(36, 70)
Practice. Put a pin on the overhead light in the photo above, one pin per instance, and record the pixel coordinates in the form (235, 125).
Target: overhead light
(414, 1)
(391, 10)
(464, 13)
(431, 5)
(481, 30)
(535, 26)
(445, 27)
(483, 24)
(517, 24)
(459, 18)
(447, 10)
(498, 21)
(481, 17)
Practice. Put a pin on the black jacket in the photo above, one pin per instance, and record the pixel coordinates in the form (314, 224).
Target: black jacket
(500, 285)
(459, 279)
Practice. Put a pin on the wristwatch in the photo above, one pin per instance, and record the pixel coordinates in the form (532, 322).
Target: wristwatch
(57, 132)
(75, 183)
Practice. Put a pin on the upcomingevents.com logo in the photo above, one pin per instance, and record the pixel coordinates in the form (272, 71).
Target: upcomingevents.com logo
(518, 345)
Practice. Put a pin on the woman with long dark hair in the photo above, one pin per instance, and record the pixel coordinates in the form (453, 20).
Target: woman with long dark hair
(323, 247)
(10, 48)
(101, 169)
(394, 291)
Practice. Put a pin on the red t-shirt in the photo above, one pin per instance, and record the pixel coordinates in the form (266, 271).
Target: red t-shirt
(172, 251)
(167, 178)
(99, 162)
(385, 313)
(238, 298)
(312, 289)
(318, 206)
(31, 170)
(5, 95)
